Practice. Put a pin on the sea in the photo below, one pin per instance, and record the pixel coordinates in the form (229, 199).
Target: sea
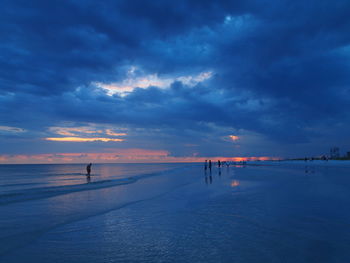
(291, 211)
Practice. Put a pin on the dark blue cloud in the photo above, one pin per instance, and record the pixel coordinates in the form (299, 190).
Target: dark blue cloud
(280, 69)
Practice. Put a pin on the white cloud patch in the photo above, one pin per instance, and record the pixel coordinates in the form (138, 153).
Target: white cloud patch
(9, 129)
(89, 133)
(132, 81)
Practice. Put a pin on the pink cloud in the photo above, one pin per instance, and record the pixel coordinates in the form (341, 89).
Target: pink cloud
(83, 139)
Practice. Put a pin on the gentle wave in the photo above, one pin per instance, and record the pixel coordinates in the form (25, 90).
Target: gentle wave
(22, 195)
(68, 174)
(20, 184)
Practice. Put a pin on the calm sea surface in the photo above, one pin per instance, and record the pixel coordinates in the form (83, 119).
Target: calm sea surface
(283, 212)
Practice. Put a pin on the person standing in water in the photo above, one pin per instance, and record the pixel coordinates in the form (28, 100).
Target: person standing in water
(88, 169)
(205, 165)
(210, 165)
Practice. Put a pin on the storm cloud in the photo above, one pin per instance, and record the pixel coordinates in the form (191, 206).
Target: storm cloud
(180, 76)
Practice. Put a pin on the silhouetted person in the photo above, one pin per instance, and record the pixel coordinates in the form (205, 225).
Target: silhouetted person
(205, 165)
(219, 163)
(210, 165)
(88, 169)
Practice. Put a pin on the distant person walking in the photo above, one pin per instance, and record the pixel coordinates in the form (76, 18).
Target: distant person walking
(219, 163)
(88, 169)
(210, 165)
(205, 165)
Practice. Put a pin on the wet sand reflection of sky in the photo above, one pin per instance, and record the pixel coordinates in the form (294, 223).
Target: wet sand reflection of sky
(234, 183)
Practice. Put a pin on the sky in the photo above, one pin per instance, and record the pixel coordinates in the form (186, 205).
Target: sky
(168, 81)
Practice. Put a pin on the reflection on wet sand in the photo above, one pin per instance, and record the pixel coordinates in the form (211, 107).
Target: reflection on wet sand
(309, 169)
(234, 183)
(240, 165)
(208, 178)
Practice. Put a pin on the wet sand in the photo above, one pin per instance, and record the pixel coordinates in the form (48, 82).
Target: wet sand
(279, 213)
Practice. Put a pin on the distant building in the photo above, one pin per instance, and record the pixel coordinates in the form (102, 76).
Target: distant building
(334, 152)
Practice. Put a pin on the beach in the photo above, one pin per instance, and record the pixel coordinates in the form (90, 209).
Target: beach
(259, 212)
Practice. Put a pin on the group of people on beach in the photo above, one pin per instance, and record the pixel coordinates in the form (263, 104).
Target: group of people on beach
(208, 164)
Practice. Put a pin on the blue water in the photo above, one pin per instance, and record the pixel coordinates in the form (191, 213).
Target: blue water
(26, 182)
(175, 213)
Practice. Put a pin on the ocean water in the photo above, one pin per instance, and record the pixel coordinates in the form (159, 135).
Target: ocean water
(264, 212)
(25, 182)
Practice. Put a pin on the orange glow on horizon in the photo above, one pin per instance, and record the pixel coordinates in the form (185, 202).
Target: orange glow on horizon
(130, 155)
(80, 139)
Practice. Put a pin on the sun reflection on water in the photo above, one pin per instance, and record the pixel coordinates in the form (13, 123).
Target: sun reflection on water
(234, 183)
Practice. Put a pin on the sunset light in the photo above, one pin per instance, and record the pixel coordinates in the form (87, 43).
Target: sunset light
(131, 155)
(234, 137)
(174, 131)
(80, 139)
